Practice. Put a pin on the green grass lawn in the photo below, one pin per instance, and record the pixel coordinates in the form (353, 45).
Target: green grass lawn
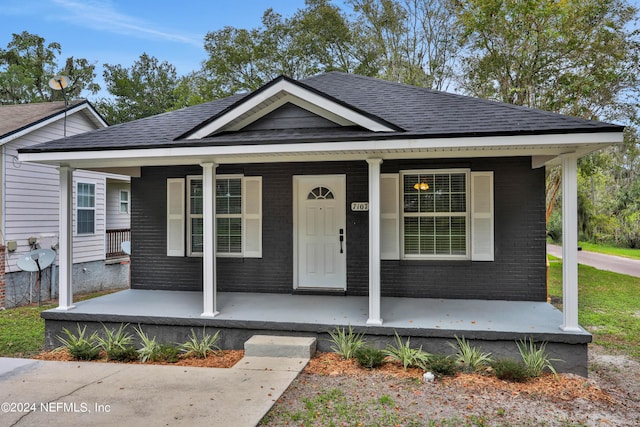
(22, 329)
(609, 306)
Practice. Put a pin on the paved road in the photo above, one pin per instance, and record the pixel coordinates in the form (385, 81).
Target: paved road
(630, 267)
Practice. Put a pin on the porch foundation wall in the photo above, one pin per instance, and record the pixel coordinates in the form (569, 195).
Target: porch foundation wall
(87, 277)
(570, 350)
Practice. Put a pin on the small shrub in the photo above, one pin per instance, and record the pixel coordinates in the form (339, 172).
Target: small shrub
(117, 344)
(369, 357)
(510, 370)
(167, 353)
(124, 354)
(150, 347)
(470, 359)
(440, 365)
(402, 352)
(535, 359)
(80, 346)
(200, 347)
(346, 343)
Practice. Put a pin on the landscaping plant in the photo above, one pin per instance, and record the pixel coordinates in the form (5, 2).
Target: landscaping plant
(402, 352)
(535, 358)
(369, 357)
(118, 344)
(150, 347)
(440, 365)
(80, 346)
(200, 347)
(510, 370)
(346, 343)
(470, 359)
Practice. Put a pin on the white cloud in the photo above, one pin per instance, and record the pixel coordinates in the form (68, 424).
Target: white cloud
(101, 15)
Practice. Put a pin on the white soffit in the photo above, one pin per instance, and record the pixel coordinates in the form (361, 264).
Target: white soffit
(279, 94)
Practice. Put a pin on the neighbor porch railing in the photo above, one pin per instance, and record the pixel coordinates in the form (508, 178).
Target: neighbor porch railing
(114, 241)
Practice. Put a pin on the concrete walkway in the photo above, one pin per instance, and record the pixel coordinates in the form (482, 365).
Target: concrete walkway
(630, 267)
(43, 393)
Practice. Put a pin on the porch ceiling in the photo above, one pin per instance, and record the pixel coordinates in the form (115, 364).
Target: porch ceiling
(312, 313)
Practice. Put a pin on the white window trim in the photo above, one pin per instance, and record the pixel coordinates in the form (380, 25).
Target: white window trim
(190, 216)
(78, 208)
(467, 214)
(128, 202)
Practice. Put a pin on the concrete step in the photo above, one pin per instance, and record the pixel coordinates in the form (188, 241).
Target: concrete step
(280, 346)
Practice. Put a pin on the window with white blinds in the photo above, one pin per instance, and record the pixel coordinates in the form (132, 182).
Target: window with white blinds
(435, 214)
(238, 216)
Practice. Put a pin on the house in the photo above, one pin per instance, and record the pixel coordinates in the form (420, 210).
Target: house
(30, 201)
(339, 200)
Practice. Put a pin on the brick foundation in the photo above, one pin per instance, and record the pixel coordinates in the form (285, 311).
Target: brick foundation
(3, 284)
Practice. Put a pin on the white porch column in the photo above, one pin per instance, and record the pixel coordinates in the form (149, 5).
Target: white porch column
(570, 243)
(209, 292)
(65, 240)
(374, 242)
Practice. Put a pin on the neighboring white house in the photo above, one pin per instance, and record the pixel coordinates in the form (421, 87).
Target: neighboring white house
(29, 194)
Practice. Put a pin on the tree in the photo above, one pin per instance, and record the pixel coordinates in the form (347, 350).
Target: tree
(148, 87)
(575, 57)
(27, 65)
(415, 41)
(314, 40)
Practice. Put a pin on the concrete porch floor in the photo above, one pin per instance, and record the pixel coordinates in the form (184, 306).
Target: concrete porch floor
(429, 322)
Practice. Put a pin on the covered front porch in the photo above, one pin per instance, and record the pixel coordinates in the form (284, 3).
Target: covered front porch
(492, 325)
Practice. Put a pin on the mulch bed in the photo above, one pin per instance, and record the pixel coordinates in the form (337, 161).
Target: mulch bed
(562, 388)
(223, 359)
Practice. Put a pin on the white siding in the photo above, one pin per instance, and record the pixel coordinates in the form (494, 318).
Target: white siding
(115, 218)
(31, 205)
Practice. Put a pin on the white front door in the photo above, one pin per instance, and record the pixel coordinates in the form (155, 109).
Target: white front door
(320, 231)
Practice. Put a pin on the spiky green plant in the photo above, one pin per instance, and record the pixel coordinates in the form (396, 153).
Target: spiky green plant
(117, 344)
(150, 346)
(536, 359)
(201, 347)
(80, 346)
(402, 352)
(346, 343)
(470, 359)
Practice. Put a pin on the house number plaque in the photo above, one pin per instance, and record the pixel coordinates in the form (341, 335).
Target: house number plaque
(360, 206)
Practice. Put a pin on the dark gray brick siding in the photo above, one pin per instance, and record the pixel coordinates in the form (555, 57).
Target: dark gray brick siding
(518, 272)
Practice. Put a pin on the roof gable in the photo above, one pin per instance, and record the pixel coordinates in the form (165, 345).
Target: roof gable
(278, 93)
(20, 119)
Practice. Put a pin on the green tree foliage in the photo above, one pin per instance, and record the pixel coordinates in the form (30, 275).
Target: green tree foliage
(28, 63)
(575, 57)
(147, 88)
(313, 40)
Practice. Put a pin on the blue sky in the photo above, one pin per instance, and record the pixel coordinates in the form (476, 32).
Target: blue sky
(119, 31)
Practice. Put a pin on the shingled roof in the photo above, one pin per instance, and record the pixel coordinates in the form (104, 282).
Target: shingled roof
(16, 118)
(414, 112)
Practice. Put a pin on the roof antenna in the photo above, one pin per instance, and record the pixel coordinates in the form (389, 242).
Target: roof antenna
(60, 83)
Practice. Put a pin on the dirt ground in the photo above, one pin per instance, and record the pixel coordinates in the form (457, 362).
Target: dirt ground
(610, 397)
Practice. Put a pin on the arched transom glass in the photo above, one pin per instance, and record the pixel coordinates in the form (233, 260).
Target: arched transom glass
(319, 193)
